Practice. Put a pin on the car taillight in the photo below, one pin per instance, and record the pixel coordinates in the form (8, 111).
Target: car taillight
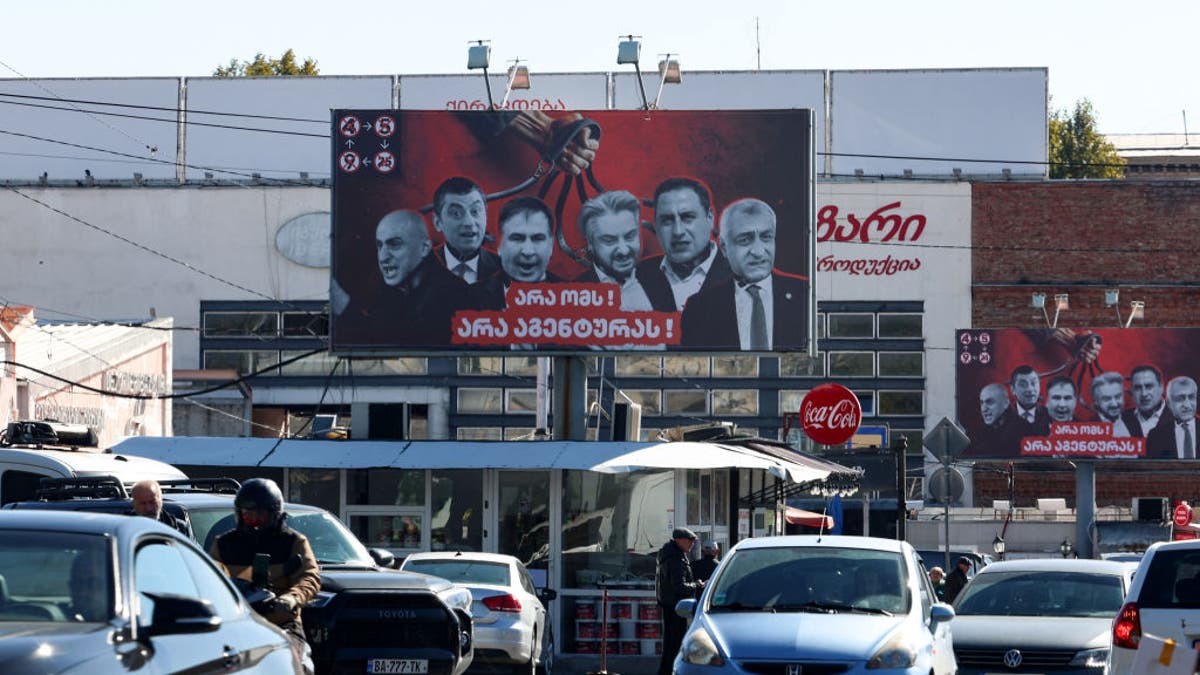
(1127, 627)
(503, 603)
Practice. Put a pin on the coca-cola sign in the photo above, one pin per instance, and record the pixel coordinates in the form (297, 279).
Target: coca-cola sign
(830, 414)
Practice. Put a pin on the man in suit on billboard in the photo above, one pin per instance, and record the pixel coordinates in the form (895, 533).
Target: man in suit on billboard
(460, 214)
(1176, 439)
(1000, 435)
(1146, 382)
(683, 221)
(1108, 400)
(418, 297)
(611, 224)
(1061, 399)
(1026, 388)
(526, 244)
(758, 309)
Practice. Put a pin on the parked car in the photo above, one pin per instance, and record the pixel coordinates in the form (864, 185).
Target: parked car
(1164, 601)
(366, 618)
(1039, 615)
(100, 593)
(509, 612)
(830, 604)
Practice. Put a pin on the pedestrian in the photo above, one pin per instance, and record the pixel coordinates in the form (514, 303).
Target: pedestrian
(937, 577)
(673, 581)
(703, 568)
(957, 579)
(148, 502)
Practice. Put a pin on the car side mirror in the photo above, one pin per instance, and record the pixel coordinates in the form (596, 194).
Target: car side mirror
(686, 608)
(382, 557)
(178, 615)
(546, 595)
(940, 612)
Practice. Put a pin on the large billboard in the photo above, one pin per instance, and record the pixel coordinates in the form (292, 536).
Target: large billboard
(570, 231)
(1107, 394)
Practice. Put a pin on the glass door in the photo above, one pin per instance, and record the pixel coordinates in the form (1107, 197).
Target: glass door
(707, 497)
(523, 519)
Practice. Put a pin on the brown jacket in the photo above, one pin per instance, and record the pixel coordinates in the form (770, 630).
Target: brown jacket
(293, 569)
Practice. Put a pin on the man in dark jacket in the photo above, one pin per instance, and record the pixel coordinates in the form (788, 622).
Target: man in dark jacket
(673, 581)
(292, 573)
(148, 501)
(957, 579)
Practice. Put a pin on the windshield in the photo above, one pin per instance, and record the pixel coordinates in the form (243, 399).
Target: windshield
(462, 571)
(1044, 593)
(55, 576)
(812, 579)
(331, 542)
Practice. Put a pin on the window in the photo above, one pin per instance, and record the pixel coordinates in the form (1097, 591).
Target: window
(385, 487)
(735, 366)
(735, 401)
(901, 364)
(789, 400)
(521, 365)
(320, 364)
(404, 366)
(159, 569)
(900, 326)
(388, 531)
(649, 399)
(520, 400)
(801, 365)
(649, 434)
(241, 324)
(305, 325)
(19, 486)
(317, 487)
(851, 364)
(244, 362)
(519, 433)
(639, 366)
(456, 502)
(210, 583)
(851, 325)
(867, 400)
(685, 366)
(480, 365)
(480, 434)
(686, 402)
(480, 400)
(901, 403)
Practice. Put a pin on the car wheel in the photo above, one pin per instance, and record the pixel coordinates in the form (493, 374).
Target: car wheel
(545, 664)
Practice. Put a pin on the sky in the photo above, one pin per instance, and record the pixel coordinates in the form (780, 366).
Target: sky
(1136, 62)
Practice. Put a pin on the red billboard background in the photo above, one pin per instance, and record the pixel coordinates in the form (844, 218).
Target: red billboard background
(990, 357)
(765, 155)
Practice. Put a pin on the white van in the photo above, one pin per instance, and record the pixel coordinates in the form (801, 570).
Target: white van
(21, 468)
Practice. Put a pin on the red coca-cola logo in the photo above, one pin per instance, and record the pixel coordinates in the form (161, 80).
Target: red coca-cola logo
(830, 414)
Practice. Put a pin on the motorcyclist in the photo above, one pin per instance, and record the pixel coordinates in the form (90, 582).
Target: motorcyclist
(292, 575)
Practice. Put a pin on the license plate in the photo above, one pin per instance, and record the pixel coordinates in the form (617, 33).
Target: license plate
(404, 666)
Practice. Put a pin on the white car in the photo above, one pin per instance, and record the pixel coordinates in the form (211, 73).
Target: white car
(1164, 601)
(509, 612)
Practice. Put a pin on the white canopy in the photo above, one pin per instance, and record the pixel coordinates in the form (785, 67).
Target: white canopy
(604, 457)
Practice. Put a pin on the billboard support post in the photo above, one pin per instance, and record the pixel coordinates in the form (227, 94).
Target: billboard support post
(570, 398)
(1085, 507)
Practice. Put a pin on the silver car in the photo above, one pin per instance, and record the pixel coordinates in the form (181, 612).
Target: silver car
(509, 612)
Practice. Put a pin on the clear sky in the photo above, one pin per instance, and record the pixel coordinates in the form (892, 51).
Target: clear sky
(1136, 61)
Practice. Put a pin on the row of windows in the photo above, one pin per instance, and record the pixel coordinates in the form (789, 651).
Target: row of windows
(269, 325)
(253, 360)
(730, 402)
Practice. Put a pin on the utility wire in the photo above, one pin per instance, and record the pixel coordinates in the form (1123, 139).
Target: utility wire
(153, 397)
(188, 111)
(170, 121)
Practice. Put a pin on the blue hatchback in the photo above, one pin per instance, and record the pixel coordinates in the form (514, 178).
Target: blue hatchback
(824, 604)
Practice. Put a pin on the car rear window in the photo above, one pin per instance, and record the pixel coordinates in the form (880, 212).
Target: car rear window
(1172, 580)
(462, 571)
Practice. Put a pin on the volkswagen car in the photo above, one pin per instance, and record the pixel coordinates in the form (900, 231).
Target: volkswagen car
(817, 604)
(1038, 616)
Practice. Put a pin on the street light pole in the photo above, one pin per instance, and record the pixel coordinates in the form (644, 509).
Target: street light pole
(901, 448)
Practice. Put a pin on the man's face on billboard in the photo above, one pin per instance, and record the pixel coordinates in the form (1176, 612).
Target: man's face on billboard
(748, 241)
(525, 246)
(400, 244)
(615, 242)
(683, 227)
(1060, 402)
(1026, 388)
(1182, 400)
(1147, 391)
(993, 401)
(462, 220)
(1109, 399)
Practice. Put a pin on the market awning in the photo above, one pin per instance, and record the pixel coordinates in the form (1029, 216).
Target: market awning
(795, 516)
(604, 457)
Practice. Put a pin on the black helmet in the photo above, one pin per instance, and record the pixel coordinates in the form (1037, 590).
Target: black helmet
(259, 494)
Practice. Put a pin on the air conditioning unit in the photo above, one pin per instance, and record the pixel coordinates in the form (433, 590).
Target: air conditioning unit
(1153, 509)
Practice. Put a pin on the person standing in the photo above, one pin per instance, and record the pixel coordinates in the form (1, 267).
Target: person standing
(673, 581)
(957, 579)
(937, 577)
(292, 573)
(703, 568)
(148, 502)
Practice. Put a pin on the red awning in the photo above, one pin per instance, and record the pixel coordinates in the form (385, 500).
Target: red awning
(795, 516)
